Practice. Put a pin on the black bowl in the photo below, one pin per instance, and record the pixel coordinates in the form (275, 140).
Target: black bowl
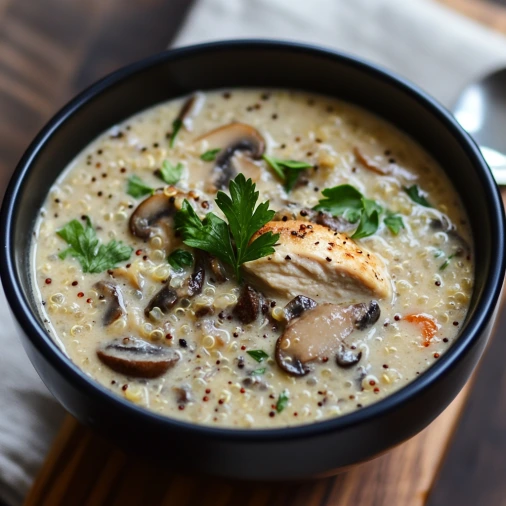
(296, 452)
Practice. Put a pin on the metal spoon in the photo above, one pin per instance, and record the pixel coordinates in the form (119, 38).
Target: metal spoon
(481, 110)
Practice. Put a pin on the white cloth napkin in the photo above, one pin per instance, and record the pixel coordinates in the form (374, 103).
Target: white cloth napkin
(434, 47)
(422, 40)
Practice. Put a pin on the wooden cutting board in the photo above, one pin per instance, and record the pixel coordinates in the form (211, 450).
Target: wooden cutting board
(84, 470)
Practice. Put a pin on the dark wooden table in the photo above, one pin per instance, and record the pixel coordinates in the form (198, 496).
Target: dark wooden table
(51, 49)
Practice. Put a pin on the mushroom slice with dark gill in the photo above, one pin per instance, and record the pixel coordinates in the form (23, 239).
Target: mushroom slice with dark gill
(153, 216)
(297, 306)
(191, 108)
(233, 139)
(165, 299)
(320, 332)
(115, 305)
(249, 305)
(137, 358)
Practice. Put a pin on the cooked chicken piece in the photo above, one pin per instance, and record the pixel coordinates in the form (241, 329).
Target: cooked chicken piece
(313, 260)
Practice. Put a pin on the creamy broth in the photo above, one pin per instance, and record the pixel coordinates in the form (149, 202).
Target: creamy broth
(216, 366)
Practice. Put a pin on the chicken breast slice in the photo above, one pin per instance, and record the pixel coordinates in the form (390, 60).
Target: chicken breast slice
(317, 262)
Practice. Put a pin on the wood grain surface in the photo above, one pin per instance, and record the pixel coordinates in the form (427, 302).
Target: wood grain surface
(50, 50)
(84, 470)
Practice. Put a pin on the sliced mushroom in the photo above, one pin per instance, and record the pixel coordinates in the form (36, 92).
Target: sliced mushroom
(231, 139)
(319, 333)
(346, 358)
(153, 216)
(191, 109)
(324, 265)
(197, 277)
(249, 305)
(256, 382)
(373, 158)
(135, 357)
(297, 306)
(218, 270)
(184, 394)
(115, 305)
(164, 299)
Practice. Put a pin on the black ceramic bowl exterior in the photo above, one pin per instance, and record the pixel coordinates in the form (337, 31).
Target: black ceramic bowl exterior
(254, 454)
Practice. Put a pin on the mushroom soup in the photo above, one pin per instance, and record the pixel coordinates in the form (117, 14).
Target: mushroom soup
(253, 258)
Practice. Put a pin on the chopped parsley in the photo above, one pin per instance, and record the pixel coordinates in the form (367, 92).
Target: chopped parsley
(137, 188)
(393, 222)
(180, 258)
(282, 401)
(210, 156)
(85, 247)
(176, 126)
(169, 173)
(446, 263)
(259, 372)
(287, 170)
(346, 201)
(230, 242)
(416, 195)
(258, 355)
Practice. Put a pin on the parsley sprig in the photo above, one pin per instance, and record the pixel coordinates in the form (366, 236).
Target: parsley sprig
(230, 242)
(287, 170)
(346, 201)
(85, 246)
(417, 195)
(138, 188)
(169, 173)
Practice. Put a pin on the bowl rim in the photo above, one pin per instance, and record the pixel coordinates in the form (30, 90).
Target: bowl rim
(46, 346)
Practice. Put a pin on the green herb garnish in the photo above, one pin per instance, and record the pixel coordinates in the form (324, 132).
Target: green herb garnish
(282, 401)
(258, 355)
(393, 222)
(169, 173)
(348, 202)
(230, 242)
(180, 258)
(176, 126)
(210, 156)
(86, 248)
(137, 188)
(287, 170)
(259, 372)
(416, 195)
(446, 263)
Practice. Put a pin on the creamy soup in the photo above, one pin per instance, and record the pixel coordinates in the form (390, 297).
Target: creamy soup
(346, 276)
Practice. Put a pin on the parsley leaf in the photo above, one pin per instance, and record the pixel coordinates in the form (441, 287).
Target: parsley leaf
(137, 188)
(86, 248)
(346, 201)
(210, 156)
(343, 200)
(169, 173)
(258, 372)
(416, 195)
(230, 242)
(180, 258)
(176, 126)
(394, 223)
(258, 355)
(287, 170)
(282, 401)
